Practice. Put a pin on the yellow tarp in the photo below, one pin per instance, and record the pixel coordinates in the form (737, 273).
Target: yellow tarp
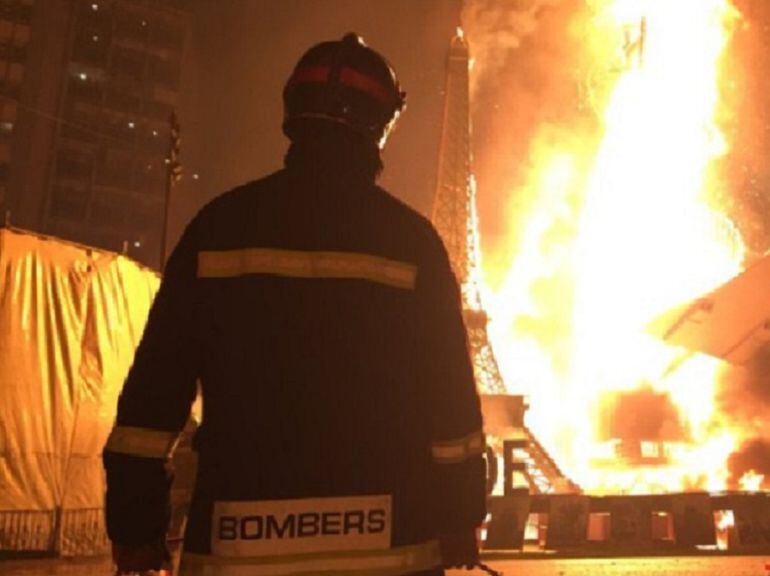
(70, 320)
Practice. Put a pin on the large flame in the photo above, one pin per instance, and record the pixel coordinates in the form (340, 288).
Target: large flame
(620, 230)
(751, 481)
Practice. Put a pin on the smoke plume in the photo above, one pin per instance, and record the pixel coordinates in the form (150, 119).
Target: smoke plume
(743, 402)
(752, 456)
(530, 60)
(495, 28)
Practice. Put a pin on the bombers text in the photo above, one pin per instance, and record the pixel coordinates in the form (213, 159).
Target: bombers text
(302, 525)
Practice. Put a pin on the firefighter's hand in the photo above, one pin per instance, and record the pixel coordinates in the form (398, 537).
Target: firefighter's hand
(459, 550)
(145, 560)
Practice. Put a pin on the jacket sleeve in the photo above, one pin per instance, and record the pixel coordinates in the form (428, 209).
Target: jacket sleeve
(458, 441)
(153, 408)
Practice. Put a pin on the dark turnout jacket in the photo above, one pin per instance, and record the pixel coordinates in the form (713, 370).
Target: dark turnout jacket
(342, 428)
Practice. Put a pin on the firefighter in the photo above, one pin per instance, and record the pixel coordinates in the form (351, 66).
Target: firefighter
(341, 425)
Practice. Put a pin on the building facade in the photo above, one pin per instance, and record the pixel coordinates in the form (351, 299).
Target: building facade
(87, 90)
(15, 20)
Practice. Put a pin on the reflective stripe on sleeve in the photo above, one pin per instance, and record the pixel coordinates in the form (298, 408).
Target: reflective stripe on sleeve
(298, 264)
(392, 562)
(144, 442)
(455, 451)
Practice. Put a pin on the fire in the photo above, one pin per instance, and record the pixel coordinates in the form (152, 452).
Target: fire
(620, 229)
(751, 481)
(724, 522)
(725, 519)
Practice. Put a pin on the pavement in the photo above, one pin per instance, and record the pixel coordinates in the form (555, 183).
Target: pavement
(660, 566)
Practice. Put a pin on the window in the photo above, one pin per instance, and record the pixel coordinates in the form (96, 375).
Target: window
(68, 131)
(71, 164)
(147, 215)
(599, 526)
(6, 31)
(84, 88)
(7, 111)
(165, 72)
(15, 74)
(108, 209)
(16, 12)
(158, 110)
(167, 36)
(151, 175)
(69, 202)
(662, 526)
(131, 27)
(115, 170)
(128, 63)
(10, 79)
(20, 35)
(650, 449)
(164, 94)
(90, 46)
(122, 99)
(13, 53)
(100, 17)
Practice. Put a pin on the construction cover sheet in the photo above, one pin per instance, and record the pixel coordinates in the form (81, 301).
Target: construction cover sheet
(70, 320)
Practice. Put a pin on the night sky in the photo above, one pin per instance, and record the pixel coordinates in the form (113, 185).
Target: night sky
(241, 52)
(527, 74)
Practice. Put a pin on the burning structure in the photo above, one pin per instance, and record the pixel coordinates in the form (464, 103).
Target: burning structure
(621, 214)
(454, 216)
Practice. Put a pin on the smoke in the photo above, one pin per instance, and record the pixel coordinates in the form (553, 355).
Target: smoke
(642, 414)
(530, 58)
(744, 394)
(743, 401)
(745, 171)
(525, 82)
(753, 455)
(495, 28)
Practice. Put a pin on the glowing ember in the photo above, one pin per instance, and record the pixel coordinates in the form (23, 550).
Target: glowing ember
(724, 519)
(751, 481)
(619, 233)
(724, 522)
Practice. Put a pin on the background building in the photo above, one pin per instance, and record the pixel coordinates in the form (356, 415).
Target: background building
(15, 19)
(87, 89)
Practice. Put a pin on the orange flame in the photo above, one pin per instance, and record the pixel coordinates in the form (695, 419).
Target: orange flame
(751, 481)
(725, 519)
(639, 236)
(724, 522)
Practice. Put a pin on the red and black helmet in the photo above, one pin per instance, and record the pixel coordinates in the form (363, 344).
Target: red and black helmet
(347, 83)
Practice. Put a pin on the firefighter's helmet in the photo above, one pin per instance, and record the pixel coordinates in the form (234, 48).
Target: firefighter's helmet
(347, 83)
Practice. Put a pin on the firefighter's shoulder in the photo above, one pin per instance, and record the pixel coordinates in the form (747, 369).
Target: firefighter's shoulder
(222, 216)
(232, 203)
(408, 220)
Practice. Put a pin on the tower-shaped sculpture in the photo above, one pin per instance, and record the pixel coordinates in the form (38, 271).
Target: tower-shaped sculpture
(454, 216)
(454, 213)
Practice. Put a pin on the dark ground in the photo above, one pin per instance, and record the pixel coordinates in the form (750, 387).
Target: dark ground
(689, 566)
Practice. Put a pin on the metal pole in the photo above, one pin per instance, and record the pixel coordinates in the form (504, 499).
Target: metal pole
(167, 203)
(173, 174)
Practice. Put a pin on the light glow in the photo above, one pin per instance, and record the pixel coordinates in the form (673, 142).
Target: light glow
(641, 235)
(751, 481)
